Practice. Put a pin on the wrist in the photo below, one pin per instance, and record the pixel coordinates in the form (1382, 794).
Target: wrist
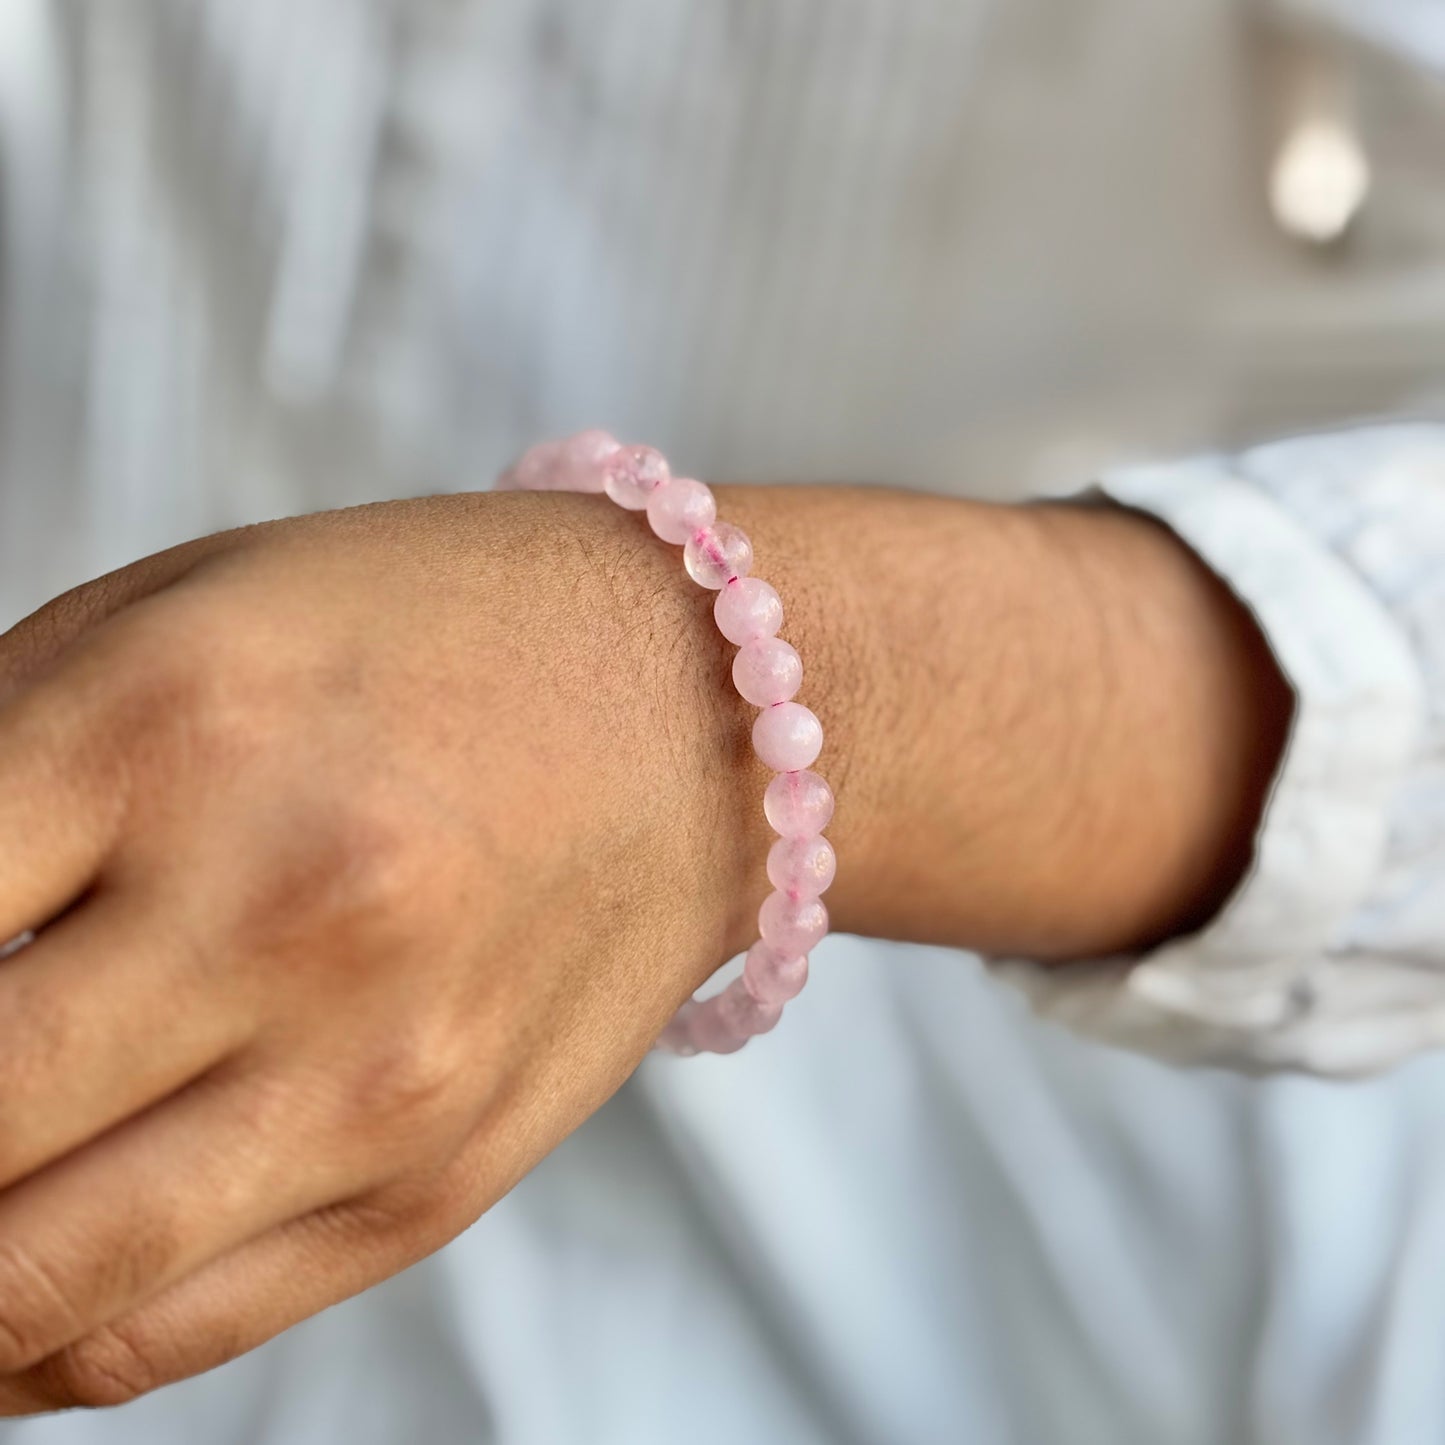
(1189, 721)
(920, 617)
(1050, 729)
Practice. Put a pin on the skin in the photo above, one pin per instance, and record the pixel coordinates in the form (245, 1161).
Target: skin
(370, 851)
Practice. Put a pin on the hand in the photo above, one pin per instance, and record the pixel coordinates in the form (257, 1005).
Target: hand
(371, 851)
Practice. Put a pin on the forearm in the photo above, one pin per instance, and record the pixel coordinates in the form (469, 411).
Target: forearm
(1051, 729)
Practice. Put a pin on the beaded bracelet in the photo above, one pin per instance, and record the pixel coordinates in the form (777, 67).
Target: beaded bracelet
(787, 737)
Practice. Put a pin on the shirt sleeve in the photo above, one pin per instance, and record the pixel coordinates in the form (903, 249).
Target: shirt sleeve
(1330, 957)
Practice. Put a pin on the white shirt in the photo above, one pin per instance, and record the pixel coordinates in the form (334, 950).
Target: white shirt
(284, 255)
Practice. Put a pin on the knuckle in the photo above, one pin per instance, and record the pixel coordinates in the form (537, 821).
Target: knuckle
(345, 875)
(163, 693)
(404, 1104)
(209, 697)
(364, 858)
(203, 681)
(104, 1369)
(35, 1309)
(411, 1086)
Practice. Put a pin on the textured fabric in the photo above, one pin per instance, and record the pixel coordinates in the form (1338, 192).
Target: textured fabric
(927, 1219)
(1332, 955)
(296, 253)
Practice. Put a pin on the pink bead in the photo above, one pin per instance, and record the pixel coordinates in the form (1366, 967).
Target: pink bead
(798, 804)
(792, 925)
(802, 867)
(744, 1013)
(714, 556)
(709, 1028)
(773, 977)
(787, 737)
(632, 474)
(746, 609)
(767, 671)
(533, 471)
(680, 509)
(580, 465)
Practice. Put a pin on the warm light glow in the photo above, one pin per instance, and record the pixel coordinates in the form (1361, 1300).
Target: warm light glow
(1320, 181)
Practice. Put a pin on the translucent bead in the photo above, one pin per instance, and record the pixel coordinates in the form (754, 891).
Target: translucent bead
(746, 609)
(773, 977)
(710, 1029)
(714, 556)
(767, 671)
(632, 474)
(533, 471)
(680, 509)
(792, 925)
(798, 804)
(744, 1013)
(802, 867)
(787, 737)
(581, 461)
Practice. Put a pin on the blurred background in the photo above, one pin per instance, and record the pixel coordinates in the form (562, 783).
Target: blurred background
(265, 257)
(292, 253)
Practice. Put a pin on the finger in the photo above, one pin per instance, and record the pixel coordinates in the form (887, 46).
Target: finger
(225, 1309)
(108, 1227)
(104, 1015)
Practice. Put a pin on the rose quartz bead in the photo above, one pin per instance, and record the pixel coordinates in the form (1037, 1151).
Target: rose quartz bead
(632, 474)
(773, 977)
(709, 1028)
(767, 671)
(533, 470)
(792, 925)
(746, 609)
(744, 1013)
(787, 737)
(680, 509)
(798, 804)
(716, 555)
(580, 464)
(802, 867)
